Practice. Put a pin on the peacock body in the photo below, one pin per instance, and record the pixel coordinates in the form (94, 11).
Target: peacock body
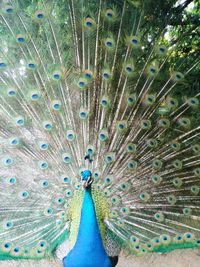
(97, 146)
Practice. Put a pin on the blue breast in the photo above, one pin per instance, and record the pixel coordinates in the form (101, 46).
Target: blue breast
(88, 250)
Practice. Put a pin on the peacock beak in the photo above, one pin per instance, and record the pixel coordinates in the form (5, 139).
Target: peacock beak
(87, 183)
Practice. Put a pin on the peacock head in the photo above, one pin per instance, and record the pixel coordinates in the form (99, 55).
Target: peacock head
(86, 179)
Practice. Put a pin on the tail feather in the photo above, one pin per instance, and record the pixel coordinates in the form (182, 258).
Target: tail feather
(86, 79)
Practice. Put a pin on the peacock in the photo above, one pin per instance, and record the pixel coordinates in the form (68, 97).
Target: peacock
(99, 147)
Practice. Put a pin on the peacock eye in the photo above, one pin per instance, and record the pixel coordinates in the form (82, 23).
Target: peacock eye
(195, 189)
(109, 14)
(106, 75)
(90, 151)
(193, 102)
(20, 122)
(152, 143)
(21, 39)
(144, 196)
(132, 165)
(109, 43)
(161, 50)
(2, 65)
(66, 158)
(96, 174)
(8, 225)
(164, 123)
(121, 126)
(129, 69)
(31, 66)
(197, 172)
(70, 136)
(60, 200)
(14, 141)
(108, 180)
(184, 122)
(9, 9)
(145, 124)
(105, 102)
(11, 92)
(44, 146)
(49, 211)
(82, 83)
(66, 180)
(131, 148)
(156, 179)
(82, 114)
(134, 239)
(8, 161)
(69, 193)
(40, 14)
(89, 24)
(177, 76)
(188, 236)
(23, 195)
(134, 41)
(103, 135)
(45, 184)
(12, 180)
(47, 125)
(88, 75)
(159, 216)
(43, 165)
(35, 95)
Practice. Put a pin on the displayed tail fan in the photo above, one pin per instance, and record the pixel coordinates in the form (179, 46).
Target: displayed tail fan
(84, 85)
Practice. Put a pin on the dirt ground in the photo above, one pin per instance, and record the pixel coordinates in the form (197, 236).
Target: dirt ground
(182, 258)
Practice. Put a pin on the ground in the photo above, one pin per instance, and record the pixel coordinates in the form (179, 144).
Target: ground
(181, 258)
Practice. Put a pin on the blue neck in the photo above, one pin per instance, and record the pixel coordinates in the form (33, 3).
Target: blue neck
(88, 250)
